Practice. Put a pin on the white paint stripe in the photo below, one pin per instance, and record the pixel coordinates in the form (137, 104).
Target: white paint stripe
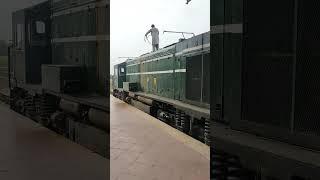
(180, 70)
(226, 28)
(206, 46)
(217, 29)
(185, 51)
(82, 39)
(159, 58)
(152, 72)
(132, 64)
(158, 72)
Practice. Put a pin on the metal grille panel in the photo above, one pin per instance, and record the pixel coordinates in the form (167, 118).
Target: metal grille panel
(206, 78)
(307, 100)
(193, 81)
(268, 62)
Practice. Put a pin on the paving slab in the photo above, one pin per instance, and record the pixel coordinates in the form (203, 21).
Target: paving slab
(29, 151)
(144, 148)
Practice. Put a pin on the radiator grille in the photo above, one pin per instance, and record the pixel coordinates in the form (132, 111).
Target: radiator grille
(267, 93)
(268, 62)
(194, 69)
(206, 78)
(307, 99)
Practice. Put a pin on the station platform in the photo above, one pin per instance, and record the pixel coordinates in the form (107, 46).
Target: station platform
(29, 151)
(144, 148)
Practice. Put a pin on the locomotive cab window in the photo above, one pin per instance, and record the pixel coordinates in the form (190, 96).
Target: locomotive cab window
(19, 36)
(40, 27)
(121, 70)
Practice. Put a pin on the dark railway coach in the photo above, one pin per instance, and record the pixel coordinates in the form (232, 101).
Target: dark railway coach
(171, 84)
(265, 96)
(59, 68)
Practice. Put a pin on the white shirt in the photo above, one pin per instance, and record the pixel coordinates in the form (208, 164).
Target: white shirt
(155, 35)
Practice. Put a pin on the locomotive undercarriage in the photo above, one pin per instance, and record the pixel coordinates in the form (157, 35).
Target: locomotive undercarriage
(72, 120)
(225, 166)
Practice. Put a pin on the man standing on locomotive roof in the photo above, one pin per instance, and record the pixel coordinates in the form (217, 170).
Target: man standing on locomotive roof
(155, 37)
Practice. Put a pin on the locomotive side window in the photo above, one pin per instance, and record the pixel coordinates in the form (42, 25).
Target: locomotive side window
(40, 27)
(122, 70)
(19, 36)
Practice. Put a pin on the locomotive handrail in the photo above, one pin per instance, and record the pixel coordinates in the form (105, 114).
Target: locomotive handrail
(179, 32)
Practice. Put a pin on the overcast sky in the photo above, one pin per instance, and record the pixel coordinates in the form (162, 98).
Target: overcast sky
(130, 20)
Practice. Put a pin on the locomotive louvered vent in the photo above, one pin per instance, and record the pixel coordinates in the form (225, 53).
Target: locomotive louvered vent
(195, 41)
(193, 82)
(307, 99)
(181, 46)
(268, 62)
(206, 78)
(206, 38)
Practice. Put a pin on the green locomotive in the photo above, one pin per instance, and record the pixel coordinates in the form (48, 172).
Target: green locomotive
(171, 84)
(58, 69)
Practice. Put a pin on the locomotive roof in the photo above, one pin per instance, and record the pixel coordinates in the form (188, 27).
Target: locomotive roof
(196, 41)
(58, 5)
(40, 4)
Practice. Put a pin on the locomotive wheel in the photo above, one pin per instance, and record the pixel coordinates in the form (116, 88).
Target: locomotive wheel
(226, 167)
(177, 119)
(207, 132)
(12, 100)
(185, 123)
(29, 106)
(47, 107)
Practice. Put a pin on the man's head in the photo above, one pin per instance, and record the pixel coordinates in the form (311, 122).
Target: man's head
(152, 26)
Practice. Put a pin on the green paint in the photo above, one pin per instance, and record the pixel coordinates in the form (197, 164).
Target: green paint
(155, 74)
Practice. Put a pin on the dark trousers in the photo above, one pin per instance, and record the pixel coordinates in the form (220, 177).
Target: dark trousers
(155, 47)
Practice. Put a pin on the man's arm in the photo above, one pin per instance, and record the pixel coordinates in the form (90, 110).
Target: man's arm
(148, 33)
